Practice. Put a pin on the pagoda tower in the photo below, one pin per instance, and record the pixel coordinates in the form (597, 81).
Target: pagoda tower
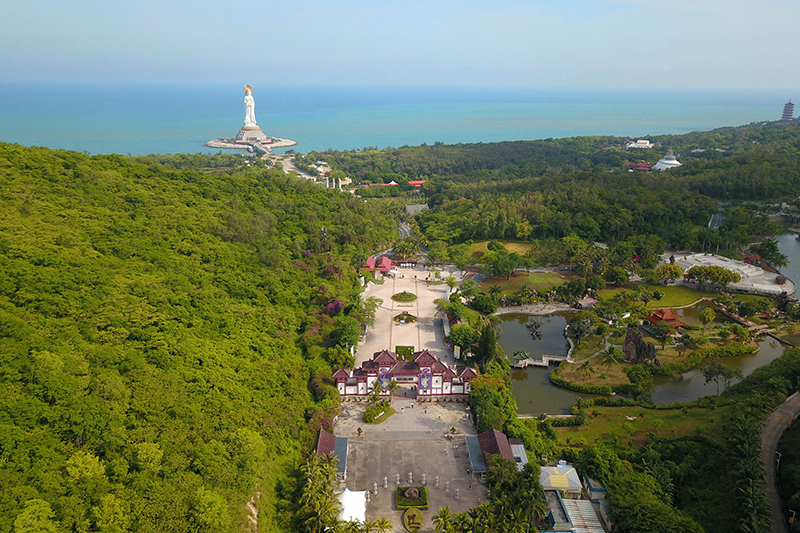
(788, 112)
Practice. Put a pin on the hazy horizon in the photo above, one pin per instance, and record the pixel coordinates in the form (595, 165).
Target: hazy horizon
(592, 44)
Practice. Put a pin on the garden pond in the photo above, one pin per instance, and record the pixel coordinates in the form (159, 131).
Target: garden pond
(535, 394)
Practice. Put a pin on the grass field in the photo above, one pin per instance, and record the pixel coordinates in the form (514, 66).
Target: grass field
(601, 374)
(536, 280)
(593, 344)
(479, 248)
(603, 423)
(674, 295)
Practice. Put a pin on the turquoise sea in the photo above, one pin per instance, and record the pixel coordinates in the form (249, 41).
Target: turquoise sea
(145, 119)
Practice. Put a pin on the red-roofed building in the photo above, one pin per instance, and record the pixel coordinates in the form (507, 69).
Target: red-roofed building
(416, 183)
(494, 442)
(382, 265)
(326, 443)
(666, 315)
(426, 373)
(642, 166)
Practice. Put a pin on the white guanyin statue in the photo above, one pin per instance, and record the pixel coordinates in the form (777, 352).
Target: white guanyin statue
(249, 106)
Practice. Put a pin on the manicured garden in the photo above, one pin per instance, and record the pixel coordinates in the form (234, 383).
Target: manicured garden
(408, 497)
(476, 250)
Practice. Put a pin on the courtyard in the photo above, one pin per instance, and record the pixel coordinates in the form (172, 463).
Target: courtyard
(414, 440)
(411, 441)
(425, 333)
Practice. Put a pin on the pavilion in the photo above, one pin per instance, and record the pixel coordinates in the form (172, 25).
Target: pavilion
(490, 442)
(382, 265)
(666, 315)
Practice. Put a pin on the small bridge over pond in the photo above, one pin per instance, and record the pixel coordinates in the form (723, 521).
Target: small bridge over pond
(545, 361)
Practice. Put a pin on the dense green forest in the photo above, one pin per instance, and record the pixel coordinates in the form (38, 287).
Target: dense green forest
(581, 186)
(165, 331)
(168, 324)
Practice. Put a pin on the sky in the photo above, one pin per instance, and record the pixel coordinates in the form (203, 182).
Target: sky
(648, 44)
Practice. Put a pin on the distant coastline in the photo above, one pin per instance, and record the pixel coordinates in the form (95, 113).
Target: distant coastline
(168, 119)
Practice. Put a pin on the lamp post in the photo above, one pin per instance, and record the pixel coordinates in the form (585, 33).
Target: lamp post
(792, 518)
(778, 460)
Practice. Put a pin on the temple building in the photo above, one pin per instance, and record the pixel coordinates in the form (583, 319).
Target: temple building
(667, 162)
(427, 375)
(666, 315)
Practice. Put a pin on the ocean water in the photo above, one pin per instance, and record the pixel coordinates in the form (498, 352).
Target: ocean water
(166, 119)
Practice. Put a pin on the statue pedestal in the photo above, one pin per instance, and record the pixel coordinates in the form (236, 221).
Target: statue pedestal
(250, 134)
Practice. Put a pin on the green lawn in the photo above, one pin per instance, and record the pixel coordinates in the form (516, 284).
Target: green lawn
(610, 375)
(536, 280)
(386, 414)
(479, 248)
(610, 422)
(674, 295)
(592, 346)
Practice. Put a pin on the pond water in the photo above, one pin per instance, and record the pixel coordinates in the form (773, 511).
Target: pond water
(535, 394)
(532, 388)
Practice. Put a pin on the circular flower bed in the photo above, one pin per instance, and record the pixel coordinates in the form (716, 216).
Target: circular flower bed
(405, 318)
(404, 296)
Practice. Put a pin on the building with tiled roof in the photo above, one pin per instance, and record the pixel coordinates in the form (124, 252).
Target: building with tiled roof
(382, 265)
(329, 443)
(666, 315)
(495, 442)
(427, 375)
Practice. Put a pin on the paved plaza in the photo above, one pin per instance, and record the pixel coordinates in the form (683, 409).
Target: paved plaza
(425, 333)
(412, 440)
(754, 279)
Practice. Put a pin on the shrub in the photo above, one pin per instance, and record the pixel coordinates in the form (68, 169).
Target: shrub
(404, 296)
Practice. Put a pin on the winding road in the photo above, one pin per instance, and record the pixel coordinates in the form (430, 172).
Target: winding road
(776, 424)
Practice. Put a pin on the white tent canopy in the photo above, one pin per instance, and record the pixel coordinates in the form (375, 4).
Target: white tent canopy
(354, 505)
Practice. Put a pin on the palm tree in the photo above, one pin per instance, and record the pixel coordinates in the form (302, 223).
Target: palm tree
(495, 291)
(393, 386)
(608, 357)
(585, 265)
(586, 368)
(442, 519)
(383, 525)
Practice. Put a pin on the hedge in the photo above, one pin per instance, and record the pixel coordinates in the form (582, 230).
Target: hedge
(408, 503)
(577, 420)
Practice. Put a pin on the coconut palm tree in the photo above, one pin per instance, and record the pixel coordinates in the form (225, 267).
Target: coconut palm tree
(586, 368)
(383, 525)
(608, 357)
(393, 386)
(442, 519)
(495, 291)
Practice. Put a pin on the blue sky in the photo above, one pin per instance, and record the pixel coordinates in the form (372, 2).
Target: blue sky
(677, 44)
